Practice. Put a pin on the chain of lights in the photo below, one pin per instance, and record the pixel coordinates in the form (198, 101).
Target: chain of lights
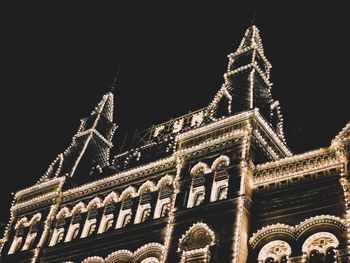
(274, 249)
(295, 166)
(241, 197)
(122, 177)
(296, 231)
(345, 183)
(170, 224)
(127, 254)
(105, 107)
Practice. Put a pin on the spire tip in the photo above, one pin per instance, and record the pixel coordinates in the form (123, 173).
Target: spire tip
(114, 85)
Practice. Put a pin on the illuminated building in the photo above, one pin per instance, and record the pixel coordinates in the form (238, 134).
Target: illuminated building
(216, 185)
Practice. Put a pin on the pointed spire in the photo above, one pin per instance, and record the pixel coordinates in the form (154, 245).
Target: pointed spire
(106, 106)
(252, 20)
(115, 81)
(251, 39)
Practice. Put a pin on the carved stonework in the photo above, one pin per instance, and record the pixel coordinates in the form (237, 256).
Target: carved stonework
(321, 242)
(275, 249)
(197, 237)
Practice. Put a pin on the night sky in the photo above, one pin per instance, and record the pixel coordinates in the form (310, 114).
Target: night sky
(57, 61)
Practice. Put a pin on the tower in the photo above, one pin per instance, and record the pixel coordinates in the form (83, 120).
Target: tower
(90, 147)
(247, 83)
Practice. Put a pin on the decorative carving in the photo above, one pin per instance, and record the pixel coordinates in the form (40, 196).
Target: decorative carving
(274, 249)
(198, 236)
(94, 259)
(220, 162)
(296, 231)
(123, 255)
(321, 242)
(200, 168)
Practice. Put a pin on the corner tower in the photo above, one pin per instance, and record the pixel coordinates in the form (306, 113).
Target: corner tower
(90, 146)
(247, 83)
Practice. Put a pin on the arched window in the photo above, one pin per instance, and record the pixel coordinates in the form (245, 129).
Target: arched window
(108, 213)
(166, 189)
(74, 227)
(33, 230)
(275, 252)
(316, 257)
(94, 259)
(19, 233)
(197, 191)
(91, 219)
(150, 260)
(320, 246)
(220, 181)
(196, 242)
(125, 213)
(58, 232)
(331, 256)
(122, 256)
(144, 208)
(149, 253)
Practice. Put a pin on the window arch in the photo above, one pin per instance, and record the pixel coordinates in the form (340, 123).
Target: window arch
(165, 187)
(91, 219)
(147, 253)
(150, 260)
(196, 243)
(219, 188)
(122, 256)
(94, 259)
(108, 212)
(125, 213)
(32, 233)
(197, 191)
(59, 229)
(18, 238)
(74, 227)
(144, 208)
(320, 246)
(276, 251)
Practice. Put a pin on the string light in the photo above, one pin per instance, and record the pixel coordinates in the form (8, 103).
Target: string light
(253, 127)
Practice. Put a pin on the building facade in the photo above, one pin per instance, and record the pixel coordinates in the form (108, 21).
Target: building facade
(216, 185)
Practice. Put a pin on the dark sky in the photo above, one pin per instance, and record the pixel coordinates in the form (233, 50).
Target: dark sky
(57, 61)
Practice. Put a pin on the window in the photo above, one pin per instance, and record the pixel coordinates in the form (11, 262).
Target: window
(219, 188)
(283, 259)
(126, 220)
(275, 252)
(315, 257)
(60, 237)
(145, 214)
(109, 224)
(16, 244)
(75, 233)
(320, 247)
(197, 190)
(331, 257)
(195, 244)
(164, 210)
(199, 198)
(222, 193)
(90, 222)
(57, 237)
(164, 197)
(91, 229)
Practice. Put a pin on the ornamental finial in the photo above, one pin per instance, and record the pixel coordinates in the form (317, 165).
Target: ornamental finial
(114, 85)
